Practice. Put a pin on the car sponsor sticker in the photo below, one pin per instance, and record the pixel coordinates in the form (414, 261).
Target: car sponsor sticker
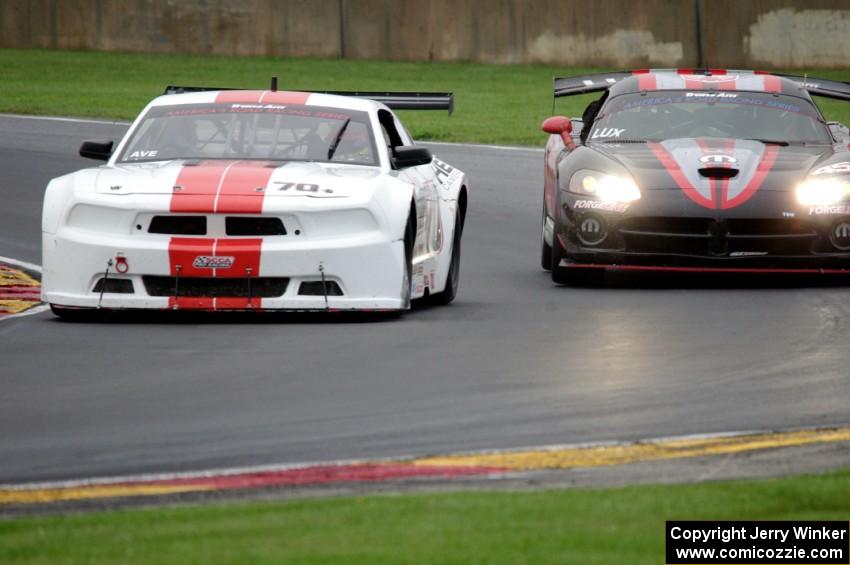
(599, 205)
(143, 154)
(607, 133)
(445, 173)
(834, 169)
(213, 262)
(718, 159)
(828, 210)
(710, 95)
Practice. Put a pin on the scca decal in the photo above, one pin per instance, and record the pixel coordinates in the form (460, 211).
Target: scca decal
(835, 168)
(212, 262)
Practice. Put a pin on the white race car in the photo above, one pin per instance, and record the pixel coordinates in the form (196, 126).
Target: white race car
(257, 200)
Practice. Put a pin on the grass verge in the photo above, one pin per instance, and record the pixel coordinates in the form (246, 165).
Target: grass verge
(494, 103)
(622, 525)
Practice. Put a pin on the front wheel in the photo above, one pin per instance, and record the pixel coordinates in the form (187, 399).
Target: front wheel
(573, 276)
(453, 278)
(545, 248)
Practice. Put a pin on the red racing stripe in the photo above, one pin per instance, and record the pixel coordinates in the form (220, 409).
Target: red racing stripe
(764, 167)
(692, 84)
(772, 84)
(728, 149)
(182, 252)
(730, 84)
(261, 96)
(246, 254)
(197, 185)
(647, 81)
(242, 188)
(714, 184)
(673, 169)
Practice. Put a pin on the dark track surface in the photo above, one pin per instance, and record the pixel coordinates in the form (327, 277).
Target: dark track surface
(515, 361)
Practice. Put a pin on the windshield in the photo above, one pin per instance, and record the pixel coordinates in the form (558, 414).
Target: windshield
(252, 131)
(740, 115)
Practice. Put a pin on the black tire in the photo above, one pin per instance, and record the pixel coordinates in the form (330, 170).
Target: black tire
(409, 242)
(453, 276)
(545, 248)
(573, 276)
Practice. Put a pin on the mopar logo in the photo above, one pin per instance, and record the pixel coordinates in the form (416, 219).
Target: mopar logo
(209, 262)
(591, 226)
(840, 236)
(718, 159)
(592, 230)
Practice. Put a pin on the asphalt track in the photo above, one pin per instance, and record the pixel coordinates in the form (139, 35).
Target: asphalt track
(515, 361)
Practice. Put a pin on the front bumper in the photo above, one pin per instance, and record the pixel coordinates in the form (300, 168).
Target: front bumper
(264, 273)
(677, 236)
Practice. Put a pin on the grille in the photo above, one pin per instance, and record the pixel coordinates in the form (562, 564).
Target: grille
(236, 225)
(683, 236)
(178, 225)
(704, 236)
(197, 287)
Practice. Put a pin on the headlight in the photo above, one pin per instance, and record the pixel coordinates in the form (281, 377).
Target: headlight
(607, 188)
(822, 192)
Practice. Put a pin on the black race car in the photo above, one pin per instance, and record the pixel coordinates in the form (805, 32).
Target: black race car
(696, 170)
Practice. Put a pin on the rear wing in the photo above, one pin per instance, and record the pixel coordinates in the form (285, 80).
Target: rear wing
(571, 86)
(837, 89)
(393, 100)
(583, 84)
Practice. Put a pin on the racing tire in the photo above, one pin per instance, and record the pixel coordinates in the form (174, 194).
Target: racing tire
(545, 248)
(453, 276)
(409, 242)
(574, 276)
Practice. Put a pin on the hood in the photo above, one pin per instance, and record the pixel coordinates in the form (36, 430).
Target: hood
(244, 179)
(715, 173)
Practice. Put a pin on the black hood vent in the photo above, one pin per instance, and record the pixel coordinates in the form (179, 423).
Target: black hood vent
(718, 172)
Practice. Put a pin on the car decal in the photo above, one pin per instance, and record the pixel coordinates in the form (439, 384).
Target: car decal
(192, 257)
(682, 159)
(222, 187)
(717, 80)
(762, 170)
(673, 169)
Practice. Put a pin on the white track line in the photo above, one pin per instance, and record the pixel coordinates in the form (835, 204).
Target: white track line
(30, 312)
(271, 468)
(63, 119)
(21, 264)
(484, 146)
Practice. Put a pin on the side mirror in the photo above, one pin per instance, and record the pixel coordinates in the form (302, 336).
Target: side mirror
(404, 157)
(558, 125)
(96, 149)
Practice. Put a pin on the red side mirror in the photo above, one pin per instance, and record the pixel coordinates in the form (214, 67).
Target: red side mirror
(558, 125)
